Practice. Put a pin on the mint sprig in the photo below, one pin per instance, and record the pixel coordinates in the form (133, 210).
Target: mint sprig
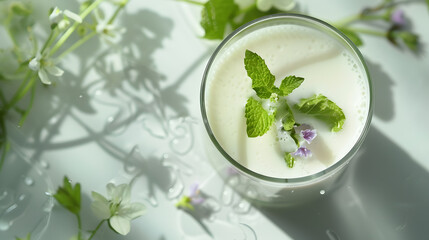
(290, 161)
(258, 120)
(69, 196)
(320, 107)
(261, 116)
(257, 70)
(215, 16)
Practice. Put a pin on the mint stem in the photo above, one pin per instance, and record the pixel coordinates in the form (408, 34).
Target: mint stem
(69, 31)
(192, 2)
(96, 229)
(369, 32)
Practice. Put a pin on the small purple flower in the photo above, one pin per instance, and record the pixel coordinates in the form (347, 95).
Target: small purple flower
(398, 17)
(302, 152)
(194, 194)
(308, 134)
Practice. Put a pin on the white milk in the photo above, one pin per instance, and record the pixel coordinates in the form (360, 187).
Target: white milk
(327, 68)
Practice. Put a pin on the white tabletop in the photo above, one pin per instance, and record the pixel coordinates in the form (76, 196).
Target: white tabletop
(130, 113)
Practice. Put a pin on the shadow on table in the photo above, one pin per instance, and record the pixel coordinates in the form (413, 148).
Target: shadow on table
(382, 92)
(384, 196)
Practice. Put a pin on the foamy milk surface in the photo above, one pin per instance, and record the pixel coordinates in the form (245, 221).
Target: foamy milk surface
(327, 68)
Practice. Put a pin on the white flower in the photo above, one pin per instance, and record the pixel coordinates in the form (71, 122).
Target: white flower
(283, 5)
(43, 67)
(57, 17)
(110, 32)
(117, 209)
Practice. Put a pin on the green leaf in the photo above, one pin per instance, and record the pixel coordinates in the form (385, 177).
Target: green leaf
(251, 14)
(215, 16)
(28, 237)
(289, 84)
(69, 196)
(286, 115)
(185, 203)
(410, 39)
(324, 109)
(19, 8)
(258, 120)
(257, 70)
(427, 3)
(353, 36)
(290, 161)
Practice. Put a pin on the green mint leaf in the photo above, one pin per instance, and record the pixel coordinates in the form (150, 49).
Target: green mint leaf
(28, 237)
(353, 36)
(257, 70)
(290, 161)
(69, 196)
(284, 112)
(295, 136)
(257, 118)
(20, 9)
(410, 39)
(289, 84)
(323, 109)
(427, 3)
(215, 16)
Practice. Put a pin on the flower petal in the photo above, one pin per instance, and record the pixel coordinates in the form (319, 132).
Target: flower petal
(44, 77)
(308, 135)
(131, 211)
(54, 70)
(118, 194)
(120, 224)
(264, 5)
(73, 16)
(302, 152)
(56, 15)
(100, 209)
(284, 5)
(34, 64)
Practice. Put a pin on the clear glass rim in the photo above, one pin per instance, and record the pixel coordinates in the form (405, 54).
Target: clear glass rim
(259, 176)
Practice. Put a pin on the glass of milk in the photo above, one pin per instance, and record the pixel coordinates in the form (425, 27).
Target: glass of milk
(330, 64)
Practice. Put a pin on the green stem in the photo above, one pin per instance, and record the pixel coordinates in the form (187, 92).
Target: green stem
(30, 105)
(96, 229)
(76, 45)
(4, 145)
(192, 2)
(354, 18)
(368, 32)
(115, 14)
(20, 93)
(54, 34)
(69, 31)
(79, 225)
(16, 50)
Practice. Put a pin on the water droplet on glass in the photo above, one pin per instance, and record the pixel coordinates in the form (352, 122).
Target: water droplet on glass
(48, 194)
(165, 156)
(110, 119)
(4, 226)
(175, 190)
(47, 207)
(332, 235)
(322, 192)
(80, 96)
(44, 164)
(242, 207)
(21, 197)
(29, 181)
(227, 196)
